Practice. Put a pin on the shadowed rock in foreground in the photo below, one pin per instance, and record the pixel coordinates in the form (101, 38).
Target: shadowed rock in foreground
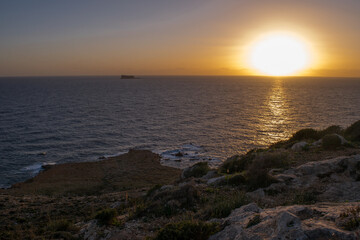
(320, 221)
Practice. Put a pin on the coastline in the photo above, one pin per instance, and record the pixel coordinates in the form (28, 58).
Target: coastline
(306, 186)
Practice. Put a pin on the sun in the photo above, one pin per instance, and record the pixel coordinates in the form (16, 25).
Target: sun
(279, 54)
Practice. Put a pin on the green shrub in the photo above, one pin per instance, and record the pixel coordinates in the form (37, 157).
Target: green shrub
(350, 218)
(223, 205)
(153, 190)
(303, 134)
(107, 216)
(188, 195)
(353, 132)
(197, 170)
(254, 221)
(259, 179)
(159, 210)
(234, 180)
(196, 230)
(331, 130)
(61, 225)
(63, 235)
(257, 175)
(331, 141)
(170, 202)
(269, 160)
(237, 163)
(305, 197)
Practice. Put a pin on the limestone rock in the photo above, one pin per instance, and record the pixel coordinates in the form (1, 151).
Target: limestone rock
(299, 146)
(215, 181)
(257, 194)
(342, 139)
(287, 222)
(210, 174)
(167, 187)
(335, 179)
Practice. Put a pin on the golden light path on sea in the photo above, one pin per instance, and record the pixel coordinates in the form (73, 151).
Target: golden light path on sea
(275, 115)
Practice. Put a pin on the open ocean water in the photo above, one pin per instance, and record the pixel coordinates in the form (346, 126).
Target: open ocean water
(51, 120)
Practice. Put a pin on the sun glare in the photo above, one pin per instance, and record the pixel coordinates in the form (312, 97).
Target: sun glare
(279, 55)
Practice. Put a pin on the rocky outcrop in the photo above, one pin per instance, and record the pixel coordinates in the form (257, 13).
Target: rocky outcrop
(336, 179)
(133, 170)
(316, 222)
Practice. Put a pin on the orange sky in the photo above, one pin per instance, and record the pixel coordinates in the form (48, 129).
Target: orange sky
(166, 38)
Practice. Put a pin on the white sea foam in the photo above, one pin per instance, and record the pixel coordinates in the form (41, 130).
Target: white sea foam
(187, 155)
(115, 155)
(49, 164)
(33, 168)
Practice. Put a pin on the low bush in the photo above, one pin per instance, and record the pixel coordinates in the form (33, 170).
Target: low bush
(170, 202)
(187, 195)
(61, 225)
(304, 134)
(160, 210)
(63, 235)
(107, 216)
(269, 160)
(305, 197)
(353, 132)
(259, 179)
(234, 180)
(236, 163)
(196, 230)
(331, 141)
(223, 205)
(350, 218)
(257, 175)
(197, 170)
(331, 130)
(152, 190)
(61, 229)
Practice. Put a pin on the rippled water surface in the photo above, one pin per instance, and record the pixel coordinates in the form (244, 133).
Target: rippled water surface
(67, 119)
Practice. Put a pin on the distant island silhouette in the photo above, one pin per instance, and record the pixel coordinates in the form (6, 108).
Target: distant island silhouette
(127, 77)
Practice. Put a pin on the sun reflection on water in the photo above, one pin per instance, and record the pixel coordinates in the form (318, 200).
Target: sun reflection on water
(275, 115)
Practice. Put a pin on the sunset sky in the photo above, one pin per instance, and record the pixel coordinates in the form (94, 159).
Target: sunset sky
(198, 37)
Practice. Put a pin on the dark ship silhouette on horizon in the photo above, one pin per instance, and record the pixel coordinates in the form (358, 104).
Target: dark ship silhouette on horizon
(128, 77)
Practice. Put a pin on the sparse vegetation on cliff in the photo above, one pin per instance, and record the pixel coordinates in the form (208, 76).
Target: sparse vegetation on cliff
(167, 206)
(196, 230)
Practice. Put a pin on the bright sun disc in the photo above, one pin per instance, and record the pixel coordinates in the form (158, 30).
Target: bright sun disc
(279, 55)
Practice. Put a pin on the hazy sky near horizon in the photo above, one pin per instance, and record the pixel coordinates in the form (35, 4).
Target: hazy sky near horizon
(162, 37)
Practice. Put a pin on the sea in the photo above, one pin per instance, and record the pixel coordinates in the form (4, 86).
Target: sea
(54, 120)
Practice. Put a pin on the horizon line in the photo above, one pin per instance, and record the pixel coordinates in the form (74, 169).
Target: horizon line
(172, 75)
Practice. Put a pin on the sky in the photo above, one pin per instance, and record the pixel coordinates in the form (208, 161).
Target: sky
(168, 37)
